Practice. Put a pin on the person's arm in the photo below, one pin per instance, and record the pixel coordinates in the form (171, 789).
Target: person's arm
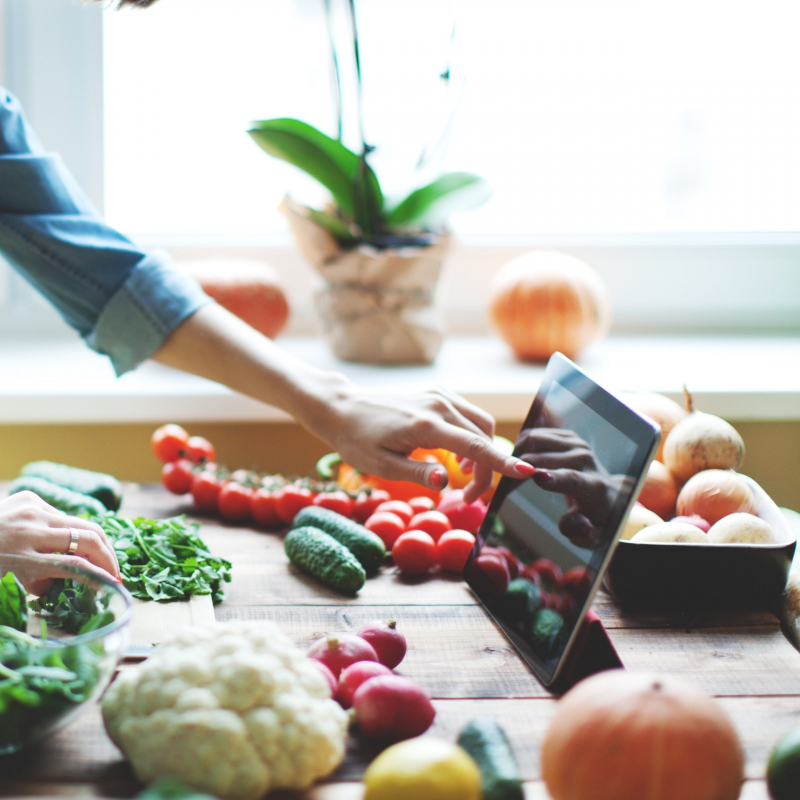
(371, 429)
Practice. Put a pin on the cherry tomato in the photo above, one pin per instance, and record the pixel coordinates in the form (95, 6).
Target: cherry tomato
(550, 572)
(495, 569)
(233, 501)
(403, 510)
(433, 523)
(262, 508)
(453, 549)
(530, 575)
(205, 490)
(512, 562)
(387, 526)
(420, 505)
(169, 443)
(577, 581)
(200, 450)
(337, 501)
(366, 503)
(289, 499)
(177, 476)
(414, 552)
(244, 476)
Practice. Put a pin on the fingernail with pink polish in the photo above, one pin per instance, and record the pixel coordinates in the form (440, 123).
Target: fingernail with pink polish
(437, 479)
(523, 468)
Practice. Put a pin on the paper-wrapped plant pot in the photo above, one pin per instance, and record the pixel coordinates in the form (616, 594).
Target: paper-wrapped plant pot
(376, 306)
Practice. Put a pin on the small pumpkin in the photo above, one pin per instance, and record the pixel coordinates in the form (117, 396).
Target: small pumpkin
(249, 289)
(544, 301)
(627, 736)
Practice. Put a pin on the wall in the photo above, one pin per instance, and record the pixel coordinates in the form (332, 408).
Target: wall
(773, 450)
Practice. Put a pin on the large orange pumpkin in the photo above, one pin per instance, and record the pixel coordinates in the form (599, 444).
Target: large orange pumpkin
(545, 301)
(249, 289)
(632, 736)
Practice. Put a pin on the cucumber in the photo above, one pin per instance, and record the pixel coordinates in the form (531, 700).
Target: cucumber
(490, 749)
(547, 632)
(105, 488)
(65, 499)
(363, 544)
(321, 556)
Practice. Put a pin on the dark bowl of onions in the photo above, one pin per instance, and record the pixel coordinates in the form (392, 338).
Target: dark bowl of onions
(706, 571)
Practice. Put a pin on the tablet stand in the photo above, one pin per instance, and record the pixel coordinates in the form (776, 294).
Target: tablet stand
(591, 652)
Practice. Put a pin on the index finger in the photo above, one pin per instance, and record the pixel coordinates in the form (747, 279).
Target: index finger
(480, 450)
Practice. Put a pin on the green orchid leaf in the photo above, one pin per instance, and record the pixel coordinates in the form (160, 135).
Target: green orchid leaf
(333, 225)
(345, 175)
(453, 191)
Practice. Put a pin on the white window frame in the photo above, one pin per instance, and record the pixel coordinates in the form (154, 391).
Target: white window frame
(743, 282)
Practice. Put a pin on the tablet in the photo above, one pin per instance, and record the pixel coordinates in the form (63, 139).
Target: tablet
(540, 554)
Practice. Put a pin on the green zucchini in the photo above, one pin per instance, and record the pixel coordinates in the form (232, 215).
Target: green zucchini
(105, 488)
(321, 556)
(490, 749)
(366, 546)
(59, 497)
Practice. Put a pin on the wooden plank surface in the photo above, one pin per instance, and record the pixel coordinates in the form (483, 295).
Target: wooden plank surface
(455, 651)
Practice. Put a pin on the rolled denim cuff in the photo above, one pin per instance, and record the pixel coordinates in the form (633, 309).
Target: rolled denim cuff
(153, 301)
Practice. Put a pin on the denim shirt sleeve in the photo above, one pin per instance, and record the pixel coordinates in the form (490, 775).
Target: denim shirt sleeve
(124, 302)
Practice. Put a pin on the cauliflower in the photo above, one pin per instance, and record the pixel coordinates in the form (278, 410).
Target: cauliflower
(235, 710)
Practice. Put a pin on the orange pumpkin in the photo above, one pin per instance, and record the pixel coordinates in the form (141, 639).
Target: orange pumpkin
(628, 736)
(664, 412)
(545, 301)
(249, 289)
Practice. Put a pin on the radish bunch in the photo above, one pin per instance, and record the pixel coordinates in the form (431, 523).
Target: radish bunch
(385, 706)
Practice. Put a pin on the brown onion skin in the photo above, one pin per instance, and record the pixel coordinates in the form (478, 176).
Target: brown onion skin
(715, 493)
(699, 442)
(622, 735)
(659, 491)
(664, 412)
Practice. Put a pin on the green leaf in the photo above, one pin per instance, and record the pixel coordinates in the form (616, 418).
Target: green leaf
(344, 174)
(13, 605)
(333, 225)
(453, 191)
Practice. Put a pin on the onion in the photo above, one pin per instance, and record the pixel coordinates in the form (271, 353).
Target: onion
(742, 528)
(678, 532)
(659, 492)
(702, 441)
(715, 493)
(640, 517)
(664, 412)
(698, 522)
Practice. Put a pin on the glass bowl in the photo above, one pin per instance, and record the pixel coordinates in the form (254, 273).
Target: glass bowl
(62, 632)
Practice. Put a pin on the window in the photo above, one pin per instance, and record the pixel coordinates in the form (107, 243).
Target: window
(586, 117)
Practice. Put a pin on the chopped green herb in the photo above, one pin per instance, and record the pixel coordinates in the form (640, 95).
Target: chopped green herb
(165, 559)
(72, 606)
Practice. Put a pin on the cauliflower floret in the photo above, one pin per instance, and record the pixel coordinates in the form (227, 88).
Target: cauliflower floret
(235, 711)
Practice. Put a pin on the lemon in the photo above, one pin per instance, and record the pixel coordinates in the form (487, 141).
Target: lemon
(783, 771)
(423, 769)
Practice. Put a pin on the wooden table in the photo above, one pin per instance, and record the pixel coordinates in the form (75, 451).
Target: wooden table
(455, 652)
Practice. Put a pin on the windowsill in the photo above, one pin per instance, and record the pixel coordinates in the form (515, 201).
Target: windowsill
(740, 378)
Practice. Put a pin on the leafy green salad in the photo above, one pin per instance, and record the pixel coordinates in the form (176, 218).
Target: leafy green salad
(40, 682)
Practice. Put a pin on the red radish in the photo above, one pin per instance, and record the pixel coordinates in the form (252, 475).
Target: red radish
(695, 520)
(391, 708)
(352, 677)
(327, 674)
(340, 651)
(496, 570)
(462, 516)
(386, 640)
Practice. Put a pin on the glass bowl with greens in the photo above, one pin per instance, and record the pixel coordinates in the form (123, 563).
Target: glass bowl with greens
(62, 631)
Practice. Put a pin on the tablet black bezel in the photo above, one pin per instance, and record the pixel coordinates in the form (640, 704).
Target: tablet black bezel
(645, 435)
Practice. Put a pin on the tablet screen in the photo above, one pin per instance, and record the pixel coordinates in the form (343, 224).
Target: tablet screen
(545, 540)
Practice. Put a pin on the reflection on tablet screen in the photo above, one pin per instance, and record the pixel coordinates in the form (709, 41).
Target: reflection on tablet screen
(553, 531)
